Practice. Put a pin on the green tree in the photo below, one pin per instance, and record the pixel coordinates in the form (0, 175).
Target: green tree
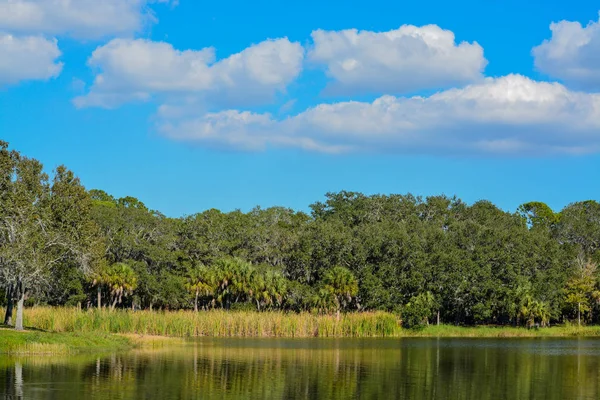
(147, 241)
(233, 278)
(579, 225)
(538, 215)
(532, 311)
(25, 231)
(324, 301)
(43, 225)
(416, 313)
(268, 289)
(201, 280)
(581, 291)
(342, 284)
(119, 279)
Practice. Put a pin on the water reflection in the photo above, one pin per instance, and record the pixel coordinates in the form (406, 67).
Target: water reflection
(319, 369)
(14, 382)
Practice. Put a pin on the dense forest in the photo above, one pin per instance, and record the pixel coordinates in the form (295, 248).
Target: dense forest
(427, 259)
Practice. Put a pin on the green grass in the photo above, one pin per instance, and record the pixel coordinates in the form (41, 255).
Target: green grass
(144, 327)
(39, 342)
(503, 331)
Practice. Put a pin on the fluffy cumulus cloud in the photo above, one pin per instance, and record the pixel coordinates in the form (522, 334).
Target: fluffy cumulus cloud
(27, 58)
(139, 69)
(572, 54)
(242, 130)
(85, 19)
(512, 115)
(399, 61)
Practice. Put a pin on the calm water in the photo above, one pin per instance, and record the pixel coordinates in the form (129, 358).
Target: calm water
(319, 369)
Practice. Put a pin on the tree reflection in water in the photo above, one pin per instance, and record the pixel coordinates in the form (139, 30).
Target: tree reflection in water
(319, 369)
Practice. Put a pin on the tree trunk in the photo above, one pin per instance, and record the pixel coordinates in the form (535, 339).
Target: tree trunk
(196, 302)
(438, 317)
(9, 305)
(99, 297)
(579, 314)
(338, 314)
(18, 380)
(112, 307)
(20, 304)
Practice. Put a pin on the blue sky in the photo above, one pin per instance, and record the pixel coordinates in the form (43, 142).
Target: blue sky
(290, 100)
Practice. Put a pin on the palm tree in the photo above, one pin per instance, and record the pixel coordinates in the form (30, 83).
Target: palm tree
(343, 285)
(543, 312)
(243, 277)
(200, 280)
(324, 300)
(278, 287)
(259, 290)
(527, 311)
(268, 289)
(224, 271)
(532, 310)
(233, 280)
(120, 280)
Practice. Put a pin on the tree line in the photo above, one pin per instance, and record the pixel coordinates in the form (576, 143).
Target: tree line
(427, 259)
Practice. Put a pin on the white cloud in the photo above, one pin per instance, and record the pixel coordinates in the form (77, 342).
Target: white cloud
(84, 19)
(512, 115)
(572, 54)
(242, 131)
(404, 60)
(27, 58)
(139, 69)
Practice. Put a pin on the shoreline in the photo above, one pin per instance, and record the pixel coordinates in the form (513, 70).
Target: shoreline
(65, 330)
(37, 342)
(507, 332)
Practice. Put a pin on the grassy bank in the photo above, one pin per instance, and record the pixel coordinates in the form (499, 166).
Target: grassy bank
(451, 331)
(38, 342)
(182, 324)
(32, 342)
(212, 323)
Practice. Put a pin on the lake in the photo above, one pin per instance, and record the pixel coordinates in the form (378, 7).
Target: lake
(415, 368)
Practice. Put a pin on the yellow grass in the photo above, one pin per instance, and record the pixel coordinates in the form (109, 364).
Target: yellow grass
(148, 329)
(212, 323)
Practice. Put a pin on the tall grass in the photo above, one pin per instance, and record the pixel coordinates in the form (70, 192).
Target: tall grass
(213, 323)
(219, 323)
